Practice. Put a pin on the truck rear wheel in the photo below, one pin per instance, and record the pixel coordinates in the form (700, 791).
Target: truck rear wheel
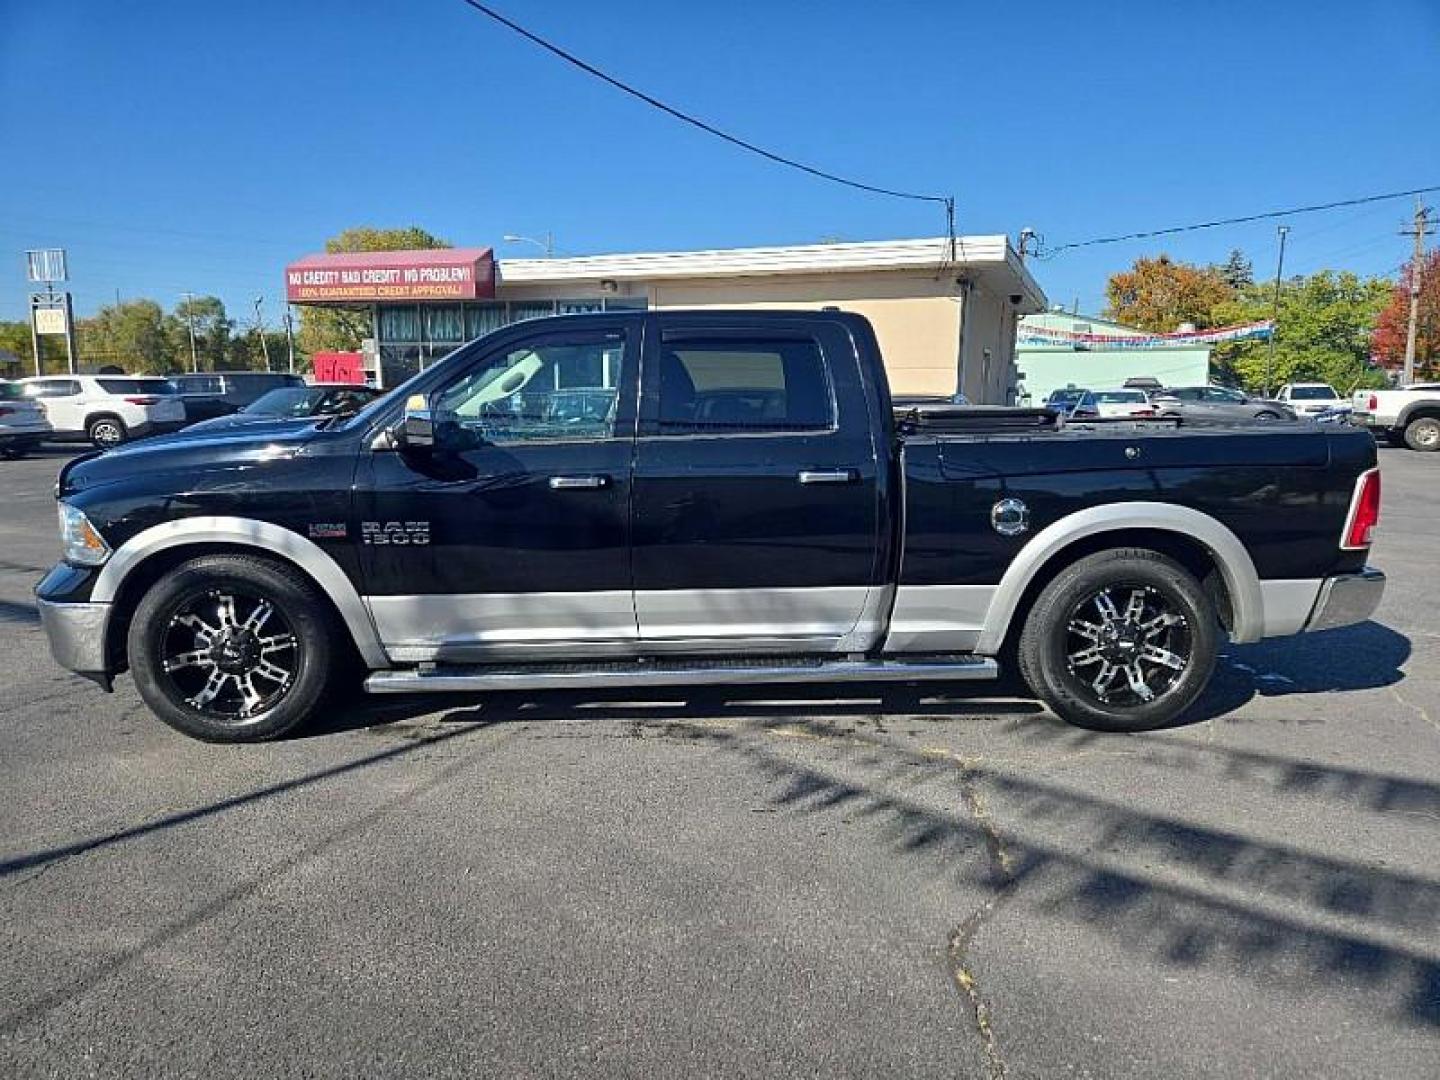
(1423, 434)
(1123, 640)
(232, 648)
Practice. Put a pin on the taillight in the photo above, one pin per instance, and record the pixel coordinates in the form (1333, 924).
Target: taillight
(142, 400)
(1143, 412)
(1372, 404)
(1364, 512)
(5, 410)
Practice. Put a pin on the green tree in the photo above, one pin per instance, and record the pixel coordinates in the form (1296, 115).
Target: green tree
(212, 332)
(337, 328)
(132, 335)
(1237, 271)
(1322, 332)
(15, 338)
(1159, 294)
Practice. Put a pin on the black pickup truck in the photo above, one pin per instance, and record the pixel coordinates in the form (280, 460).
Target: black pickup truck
(678, 498)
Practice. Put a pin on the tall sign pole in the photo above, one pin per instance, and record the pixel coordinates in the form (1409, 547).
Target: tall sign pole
(50, 312)
(1417, 265)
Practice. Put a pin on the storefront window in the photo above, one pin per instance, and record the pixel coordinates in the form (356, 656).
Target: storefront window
(412, 337)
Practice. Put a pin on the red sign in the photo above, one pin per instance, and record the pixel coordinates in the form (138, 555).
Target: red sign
(373, 277)
(339, 367)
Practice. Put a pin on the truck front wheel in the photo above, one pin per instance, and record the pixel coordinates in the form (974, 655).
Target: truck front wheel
(232, 648)
(1123, 640)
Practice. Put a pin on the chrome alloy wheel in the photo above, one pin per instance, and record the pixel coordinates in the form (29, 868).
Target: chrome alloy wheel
(229, 655)
(1127, 655)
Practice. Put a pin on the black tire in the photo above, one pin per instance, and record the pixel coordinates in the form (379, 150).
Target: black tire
(183, 620)
(106, 431)
(1423, 434)
(1057, 630)
(1267, 416)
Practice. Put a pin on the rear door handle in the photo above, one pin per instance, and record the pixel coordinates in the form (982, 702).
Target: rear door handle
(828, 476)
(578, 483)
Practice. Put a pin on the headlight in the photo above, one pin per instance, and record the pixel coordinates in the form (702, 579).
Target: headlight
(80, 541)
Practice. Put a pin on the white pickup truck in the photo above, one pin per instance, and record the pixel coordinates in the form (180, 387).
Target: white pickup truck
(1410, 415)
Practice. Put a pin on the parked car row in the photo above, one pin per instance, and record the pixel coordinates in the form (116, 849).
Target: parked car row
(107, 410)
(1294, 401)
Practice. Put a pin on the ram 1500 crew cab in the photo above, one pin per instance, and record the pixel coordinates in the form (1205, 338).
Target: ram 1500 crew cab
(697, 497)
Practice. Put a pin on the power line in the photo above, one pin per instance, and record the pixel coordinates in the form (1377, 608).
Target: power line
(1267, 215)
(710, 129)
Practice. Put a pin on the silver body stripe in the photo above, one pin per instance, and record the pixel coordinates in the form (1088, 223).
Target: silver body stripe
(1288, 604)
(938, 618)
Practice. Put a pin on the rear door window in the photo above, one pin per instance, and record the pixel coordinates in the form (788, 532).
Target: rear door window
(136, 386)
(742, 385)
(53, 388)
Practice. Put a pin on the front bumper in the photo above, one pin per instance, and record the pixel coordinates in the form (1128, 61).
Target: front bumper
(77, 637)
(30, 433)
(1346, 599)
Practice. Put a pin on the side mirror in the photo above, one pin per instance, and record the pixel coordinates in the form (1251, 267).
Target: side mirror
(416, 431)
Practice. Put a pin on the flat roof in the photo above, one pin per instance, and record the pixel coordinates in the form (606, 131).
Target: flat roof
(981, 253)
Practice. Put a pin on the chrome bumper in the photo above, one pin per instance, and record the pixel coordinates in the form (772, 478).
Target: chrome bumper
(1347, 599)
(77, 637)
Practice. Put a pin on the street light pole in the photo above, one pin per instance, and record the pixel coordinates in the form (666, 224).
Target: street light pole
(260, 329)
(1275, 321)
(547, 245)
(190, 321)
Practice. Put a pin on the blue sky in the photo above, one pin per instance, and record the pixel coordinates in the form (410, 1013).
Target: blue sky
(201, 146)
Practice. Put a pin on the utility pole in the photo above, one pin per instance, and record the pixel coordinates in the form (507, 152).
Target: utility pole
(1275, 321)
(260, 329)
(190, 321)
(1418, 231)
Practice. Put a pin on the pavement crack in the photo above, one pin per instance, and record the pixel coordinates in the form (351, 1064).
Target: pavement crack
(1418, 710)
(1006, 877)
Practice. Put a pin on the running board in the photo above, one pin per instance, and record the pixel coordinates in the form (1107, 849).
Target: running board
(474, 678)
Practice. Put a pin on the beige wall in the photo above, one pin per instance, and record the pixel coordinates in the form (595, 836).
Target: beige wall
(916, 317)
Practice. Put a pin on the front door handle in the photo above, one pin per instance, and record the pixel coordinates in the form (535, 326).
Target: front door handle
(578, 483)
(828, 476)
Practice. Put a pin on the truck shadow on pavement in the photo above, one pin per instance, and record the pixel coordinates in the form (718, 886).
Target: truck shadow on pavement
(1160, 882)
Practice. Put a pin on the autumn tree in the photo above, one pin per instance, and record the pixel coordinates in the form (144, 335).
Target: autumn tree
(1159, 294)
(331, 328)
(1393, 323)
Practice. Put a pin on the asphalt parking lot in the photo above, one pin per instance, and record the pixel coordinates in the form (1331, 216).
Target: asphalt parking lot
(738, 883)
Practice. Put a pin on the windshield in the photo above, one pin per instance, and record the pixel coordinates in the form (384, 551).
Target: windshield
(10, 391)
(136, 386)
(286, 401)
(1066, 397)
(1119, 397)
(1312, 393)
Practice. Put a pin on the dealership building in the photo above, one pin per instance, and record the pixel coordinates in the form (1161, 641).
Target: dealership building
(946, 311)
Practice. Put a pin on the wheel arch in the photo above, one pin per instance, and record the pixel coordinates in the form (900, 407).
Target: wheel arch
(141, 561)
(1205, 546)
(1418, 411)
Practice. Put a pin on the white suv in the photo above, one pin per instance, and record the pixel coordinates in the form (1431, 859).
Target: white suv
(1309, 398)
(106, 409)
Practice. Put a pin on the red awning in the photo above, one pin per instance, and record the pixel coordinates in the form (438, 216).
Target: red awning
(380, 276)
